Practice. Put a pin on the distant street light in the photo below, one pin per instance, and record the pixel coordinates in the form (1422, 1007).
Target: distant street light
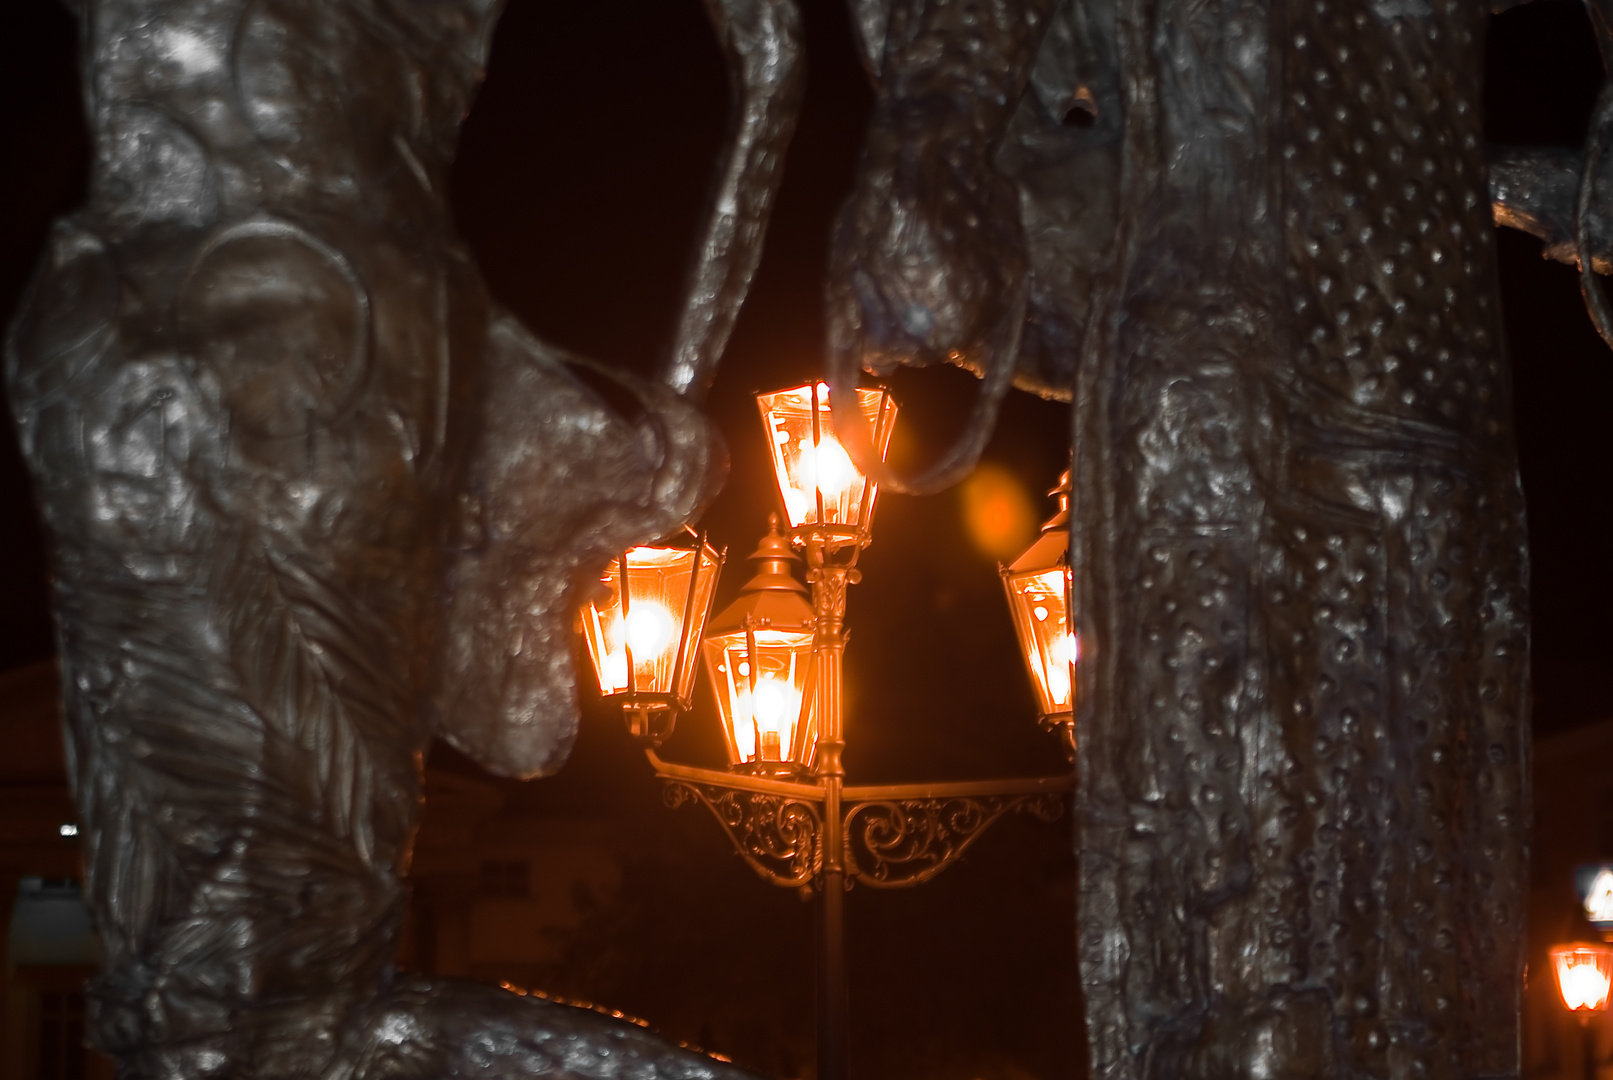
(1584, 973)
(775, 667)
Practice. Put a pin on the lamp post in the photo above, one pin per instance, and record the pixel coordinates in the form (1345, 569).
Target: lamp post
(774, 663)
(1584, 972)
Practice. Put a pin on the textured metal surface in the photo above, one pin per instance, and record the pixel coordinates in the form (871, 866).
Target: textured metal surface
(1534, 190)
(1264, 269)
(313, 498)
(1561, 196)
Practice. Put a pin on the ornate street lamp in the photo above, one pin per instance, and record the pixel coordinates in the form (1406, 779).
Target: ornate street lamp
(758, 654)
(822, 490)
(1584, 973)
(1039, 587)
(643, 634)
(775, 666)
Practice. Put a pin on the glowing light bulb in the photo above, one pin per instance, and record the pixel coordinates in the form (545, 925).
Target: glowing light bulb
(771, 711)
(770, 703)
(799, 505)
(616, 670)
(1584, 987)
(827, 467)
(744, 738)
(1063, 651)
(1058, 683)
(649, 630)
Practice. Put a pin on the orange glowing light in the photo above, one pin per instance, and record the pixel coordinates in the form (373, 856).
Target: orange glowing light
(1039, 600)
(816, 477)
(1584, 973)
(758, 654)
(997, 512)
(643, 637)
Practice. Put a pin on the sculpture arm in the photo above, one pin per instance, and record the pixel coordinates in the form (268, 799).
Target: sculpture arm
(1533, 190)
(928, 256)
(1561, 195)
(761, 41)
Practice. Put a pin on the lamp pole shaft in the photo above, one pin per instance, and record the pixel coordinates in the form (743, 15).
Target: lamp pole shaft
(834, 1014)
(829, 584)
(1588, 1046)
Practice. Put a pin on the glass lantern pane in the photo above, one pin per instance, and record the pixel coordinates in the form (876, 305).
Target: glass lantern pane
(1041, 619)
(761, 708)
(806, 467)
(664, 590)
(1584, 973)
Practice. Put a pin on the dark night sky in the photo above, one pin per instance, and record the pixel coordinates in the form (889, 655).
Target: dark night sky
(579, 186)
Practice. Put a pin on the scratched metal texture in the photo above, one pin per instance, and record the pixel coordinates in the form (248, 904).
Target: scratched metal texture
(312, 497)
(1264, 271)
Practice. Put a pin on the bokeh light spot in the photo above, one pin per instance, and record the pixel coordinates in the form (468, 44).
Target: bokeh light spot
(997, 512)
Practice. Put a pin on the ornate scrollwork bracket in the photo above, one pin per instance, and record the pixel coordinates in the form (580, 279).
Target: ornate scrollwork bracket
(895, 835)
(778, 835)
(891, 844)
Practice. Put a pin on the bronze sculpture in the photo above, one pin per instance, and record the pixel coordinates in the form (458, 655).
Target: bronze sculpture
(1254, 240)
(313, 498)
(1249, 240)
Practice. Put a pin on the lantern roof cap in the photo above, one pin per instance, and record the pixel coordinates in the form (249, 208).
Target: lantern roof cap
(1051, 549)
(1062, 517)
(773, 597)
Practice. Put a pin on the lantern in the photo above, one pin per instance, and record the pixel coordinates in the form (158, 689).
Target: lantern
(1039, 585)
(758, 654)
(821, 487)
(1584, 972)
(642, 636)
